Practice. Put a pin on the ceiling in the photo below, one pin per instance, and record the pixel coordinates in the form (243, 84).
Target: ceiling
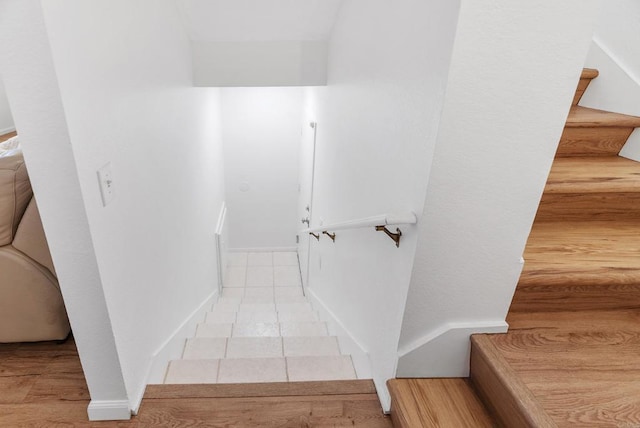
(259, 20)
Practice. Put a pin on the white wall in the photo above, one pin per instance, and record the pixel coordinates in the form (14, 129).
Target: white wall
(261, 130)
(259, 20)
(615, 52)
(124, 70)
(6, 119)
(618, 29)
(377, 125)
(259, 42)
(514, 70)
(264, 63)
(27, 67)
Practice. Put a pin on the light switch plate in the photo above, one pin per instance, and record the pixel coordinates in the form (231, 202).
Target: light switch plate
(105, 181)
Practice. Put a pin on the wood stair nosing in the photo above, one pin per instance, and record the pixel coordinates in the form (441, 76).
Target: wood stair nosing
(436, 402)
(502, 391)
(267, 389)
(587, 75)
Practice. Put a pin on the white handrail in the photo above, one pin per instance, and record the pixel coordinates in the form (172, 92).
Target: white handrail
(378, 220)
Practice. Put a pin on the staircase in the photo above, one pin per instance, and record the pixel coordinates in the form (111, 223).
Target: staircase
(262, 329)
(572, 354)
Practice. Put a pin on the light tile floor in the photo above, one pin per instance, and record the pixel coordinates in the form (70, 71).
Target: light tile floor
(261, 329)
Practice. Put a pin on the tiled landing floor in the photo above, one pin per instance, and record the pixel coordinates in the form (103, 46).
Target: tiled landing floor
(262, 329)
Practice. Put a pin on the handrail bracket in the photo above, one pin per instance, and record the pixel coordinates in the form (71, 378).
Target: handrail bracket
(330, 235)
(315, 235)
(395, 236)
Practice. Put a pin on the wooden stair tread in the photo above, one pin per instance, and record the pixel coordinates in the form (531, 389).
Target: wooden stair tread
(598, 206)
(593, 175)
(606, 249)
(582, 265)
(588, 376)
(610, 243)
(588, 117)
(436, 403)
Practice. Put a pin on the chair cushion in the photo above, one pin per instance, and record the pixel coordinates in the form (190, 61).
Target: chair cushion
(15, 194)
(30, 237)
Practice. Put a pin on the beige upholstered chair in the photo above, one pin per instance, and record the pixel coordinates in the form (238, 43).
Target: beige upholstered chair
(31, 306)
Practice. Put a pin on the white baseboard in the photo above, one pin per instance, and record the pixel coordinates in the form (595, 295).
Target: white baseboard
(263, 250)
(109, 410)
(7, 130)
(444, 352)
(172, 349)
(347, 342)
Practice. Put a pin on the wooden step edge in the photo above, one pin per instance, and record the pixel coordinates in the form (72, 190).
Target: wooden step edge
(583, 117)
(589, 73)
(436, 402)
(501, 390)
(269, 389)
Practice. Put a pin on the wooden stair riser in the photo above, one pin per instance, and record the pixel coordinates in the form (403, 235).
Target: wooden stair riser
(593, 141)
(449, 402)
(589, 206)
(580, 296)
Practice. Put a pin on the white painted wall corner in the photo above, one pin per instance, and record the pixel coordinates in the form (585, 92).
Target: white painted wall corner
(109, 410)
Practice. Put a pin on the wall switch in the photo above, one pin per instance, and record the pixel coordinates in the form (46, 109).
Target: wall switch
(105, 182)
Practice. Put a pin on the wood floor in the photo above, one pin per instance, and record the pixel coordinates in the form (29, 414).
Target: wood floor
(5, 137)
(42, 385)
